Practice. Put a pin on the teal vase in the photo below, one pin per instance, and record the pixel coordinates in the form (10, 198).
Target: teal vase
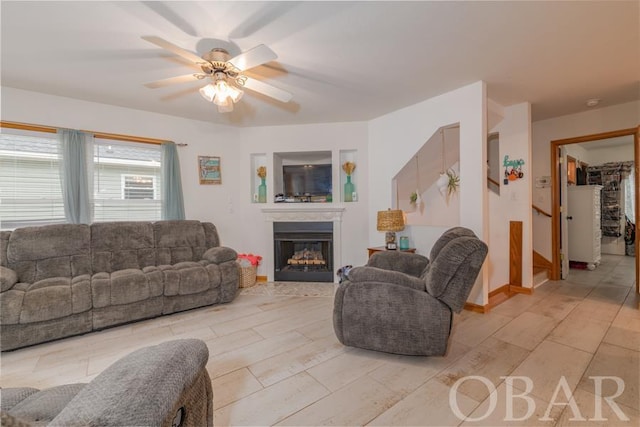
(262, 191)
(349, 188)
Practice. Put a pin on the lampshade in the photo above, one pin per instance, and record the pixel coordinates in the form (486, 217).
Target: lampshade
(208, 92)
(221, 93)
(390, 220)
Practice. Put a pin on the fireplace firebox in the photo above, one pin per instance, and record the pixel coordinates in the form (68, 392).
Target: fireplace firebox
(303, 251)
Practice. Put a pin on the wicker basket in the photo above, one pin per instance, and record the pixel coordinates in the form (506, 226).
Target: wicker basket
(247, 276)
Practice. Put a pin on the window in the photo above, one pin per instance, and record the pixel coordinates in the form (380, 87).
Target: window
(138, 187)
(30, 190)
(126, 181)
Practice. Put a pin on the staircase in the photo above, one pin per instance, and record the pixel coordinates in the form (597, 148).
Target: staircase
(540, 276)
(541, 269)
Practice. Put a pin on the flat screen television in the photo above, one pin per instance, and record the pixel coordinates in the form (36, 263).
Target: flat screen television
(307, 180)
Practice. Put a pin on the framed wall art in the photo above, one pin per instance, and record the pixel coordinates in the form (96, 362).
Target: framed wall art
(209, 170)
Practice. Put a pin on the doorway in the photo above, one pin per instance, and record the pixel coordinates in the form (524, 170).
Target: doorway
(559, 177)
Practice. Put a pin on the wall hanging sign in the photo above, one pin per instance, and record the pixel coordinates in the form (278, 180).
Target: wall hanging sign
(209, 170)
(512, 169)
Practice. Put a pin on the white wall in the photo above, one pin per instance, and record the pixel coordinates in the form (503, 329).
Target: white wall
(422, 172)
(579, 153)
(622, 116)
(239, 222)
(395, 137)
(514, 201)
(215, 203)
(383, 146)
(620, 153)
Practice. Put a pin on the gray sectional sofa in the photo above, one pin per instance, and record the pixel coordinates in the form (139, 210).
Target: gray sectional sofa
(68, 279)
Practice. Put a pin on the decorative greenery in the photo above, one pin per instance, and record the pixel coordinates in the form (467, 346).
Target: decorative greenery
(413, 198)
(262, 171)
(348, 168)
(454, 181)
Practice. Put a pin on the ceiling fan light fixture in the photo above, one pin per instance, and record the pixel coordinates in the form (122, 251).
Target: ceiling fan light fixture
(227, 82)
(224, 90)
(208, 92)
(221, 93)
(234, 93)
(226, 108)
(222, 100)
(222, 87)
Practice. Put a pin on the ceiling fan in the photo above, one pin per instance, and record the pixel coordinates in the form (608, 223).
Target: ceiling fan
(223, 72)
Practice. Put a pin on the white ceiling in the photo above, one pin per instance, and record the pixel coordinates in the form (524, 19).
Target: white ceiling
(343, 61)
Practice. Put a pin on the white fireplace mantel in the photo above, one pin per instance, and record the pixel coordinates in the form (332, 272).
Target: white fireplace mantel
(305, 212)
(301, 212)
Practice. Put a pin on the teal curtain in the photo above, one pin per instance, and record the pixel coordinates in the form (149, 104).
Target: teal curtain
(76, 154)
(172, 198)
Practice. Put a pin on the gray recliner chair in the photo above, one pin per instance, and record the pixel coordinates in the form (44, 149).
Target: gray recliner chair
(161, 385)
(403, 303)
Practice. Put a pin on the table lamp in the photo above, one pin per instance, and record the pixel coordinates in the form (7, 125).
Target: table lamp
(390, 221)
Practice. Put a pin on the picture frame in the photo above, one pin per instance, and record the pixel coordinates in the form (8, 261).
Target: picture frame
(209, 170)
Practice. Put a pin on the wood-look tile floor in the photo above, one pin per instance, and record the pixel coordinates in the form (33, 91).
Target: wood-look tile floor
(274, 359)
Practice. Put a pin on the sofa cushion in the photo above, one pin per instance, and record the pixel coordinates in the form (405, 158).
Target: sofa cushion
(10, 397)
(4, 243)
(49, 299)
(48, 241)
(212, 239)
(185, 278)
(43, 406)
(10, 306)
(380, 275)
(452, 274)
(122, 245)
(8, 278)
(447, 236)
(125, 286)
(179, 241)
(219, 255)
(38, 253)
(405, 262)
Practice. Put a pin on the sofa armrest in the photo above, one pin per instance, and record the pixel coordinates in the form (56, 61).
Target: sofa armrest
(148, 387)
(220, 254)
(405, 262)
(374, 274)
(8, 278)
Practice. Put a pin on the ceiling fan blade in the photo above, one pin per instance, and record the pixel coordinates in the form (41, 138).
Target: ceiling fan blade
(174, 80)
(173, 48)
(267, 89)
(253, 57)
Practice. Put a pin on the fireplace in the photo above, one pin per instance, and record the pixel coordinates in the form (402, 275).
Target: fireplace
(303, 251)
(300, 214)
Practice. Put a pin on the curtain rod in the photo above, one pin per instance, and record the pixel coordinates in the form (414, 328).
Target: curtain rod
(101, 135)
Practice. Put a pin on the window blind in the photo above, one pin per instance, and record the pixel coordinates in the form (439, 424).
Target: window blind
(30, 191)
(126, 181)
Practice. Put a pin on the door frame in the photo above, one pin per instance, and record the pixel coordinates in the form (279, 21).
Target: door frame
(555, 192)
